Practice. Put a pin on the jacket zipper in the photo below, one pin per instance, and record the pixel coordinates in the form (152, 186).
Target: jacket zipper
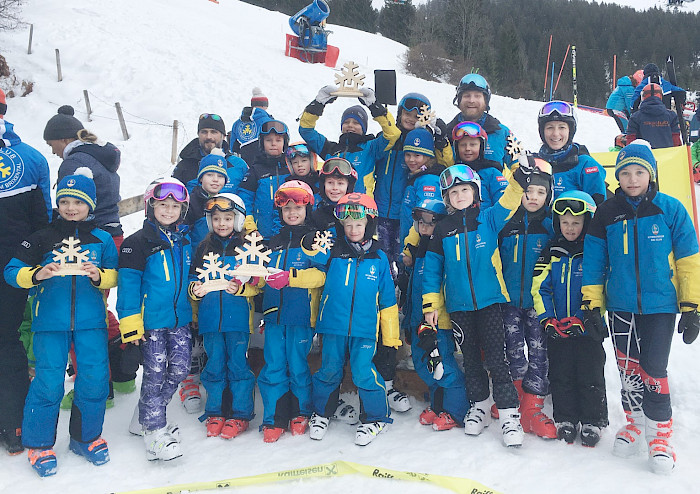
(284, 267)
(469, 262)
(354, 287)
(391, 182)
(73, 283)
(179, 285)
(636, 266)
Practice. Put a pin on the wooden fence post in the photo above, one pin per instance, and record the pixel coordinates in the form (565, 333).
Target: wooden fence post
(173, 153)
(121, 121)
(31, 35)
(87, 105)
(58, 65)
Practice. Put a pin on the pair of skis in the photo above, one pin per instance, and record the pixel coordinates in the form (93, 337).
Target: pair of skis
(671, 73)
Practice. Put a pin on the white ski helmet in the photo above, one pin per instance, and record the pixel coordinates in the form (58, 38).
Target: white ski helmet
(226, 202)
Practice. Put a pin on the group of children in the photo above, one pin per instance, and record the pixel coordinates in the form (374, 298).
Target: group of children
(494, 258)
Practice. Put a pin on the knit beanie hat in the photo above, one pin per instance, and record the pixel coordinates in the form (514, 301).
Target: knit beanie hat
(637, 153)
(80, 186)
(213, 162)
(420, 141)
(211, 121)
(259, 99)
(3, 103)
(358, 113)
(63, 125)
(651, 68)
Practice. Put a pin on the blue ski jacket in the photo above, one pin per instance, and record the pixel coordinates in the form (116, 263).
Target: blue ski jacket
(622, 97)
(499, 139)
(391, 175)
(666, 88)
(493, 183)
(65, 303)
(654, 123)
(575, 169)
(423, 185)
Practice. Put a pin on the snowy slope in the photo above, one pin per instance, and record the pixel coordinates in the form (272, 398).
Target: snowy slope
(649, 4)
(174, 59)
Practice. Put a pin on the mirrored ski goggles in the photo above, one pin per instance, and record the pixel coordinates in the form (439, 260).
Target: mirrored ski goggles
(163, 191)
(298, 150)
(341, 165)
(222, 204)
(474, 80)
(213, 116)
(468, 129)
(561, 107)
(410, 104)
(353, 211)
(300, 197)
(418, 216)
(576, 207)
(273, 126)
(448, 178)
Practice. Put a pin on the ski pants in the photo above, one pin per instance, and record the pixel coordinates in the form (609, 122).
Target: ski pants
(448, 394)
(388, 231)
(642, 346)
(374, 406)
(46, 391)
(227, 366)
(523, 328)
(14, 374)
(285, 380)
(166, 362)
(577, 379)
(479, 330)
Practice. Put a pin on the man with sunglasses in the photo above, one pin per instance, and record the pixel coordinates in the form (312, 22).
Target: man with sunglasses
(473, 98)
(210, 135)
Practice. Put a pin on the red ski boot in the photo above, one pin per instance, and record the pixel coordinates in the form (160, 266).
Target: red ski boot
(233, 428)
(533, 419)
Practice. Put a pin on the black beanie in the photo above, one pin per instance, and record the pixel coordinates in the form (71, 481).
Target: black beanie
(211, 121)
(63, 125)
(651, 68)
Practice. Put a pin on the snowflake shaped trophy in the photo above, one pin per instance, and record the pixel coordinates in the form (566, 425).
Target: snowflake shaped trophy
(253, 256)
(425, 117)
(323, 241)
(349, 81)
(514, 146)
(213, 273)
(70, 258)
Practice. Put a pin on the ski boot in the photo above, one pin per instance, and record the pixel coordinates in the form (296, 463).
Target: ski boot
(345, 412)
(477, 418)
(214, 426)
(427, 416)
(43, 461)
(13, 441)
(190, 395)
(233, 428)
(366, 433)
(662, 458)
(318, 426)
(398, 400)
(533, 418)
(272, 434)
(444, 422)
(590, 435)
(95, 452)
(160, 445)
(628, 440)
(567, 431)
(298, 425)
(511, 428)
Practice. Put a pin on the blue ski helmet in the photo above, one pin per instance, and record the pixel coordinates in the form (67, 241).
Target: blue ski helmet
(576, 203)
(271, 126)
(412, 101)
(473, 82)
(431, 206)
(457, 174)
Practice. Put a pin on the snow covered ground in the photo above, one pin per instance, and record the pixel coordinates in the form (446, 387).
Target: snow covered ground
(174, 59)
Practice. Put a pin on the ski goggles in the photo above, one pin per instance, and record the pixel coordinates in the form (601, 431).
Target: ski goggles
(213, 116)
(474, 80)
(576, 207)
(222, 204)
(410, 104)
(418, 216)
(163, 191)
(300, 197)
(354, 211)
(339, 165)
(298, 150)
(448, 178)
(468, 129)
(563, 108)
(273, 126)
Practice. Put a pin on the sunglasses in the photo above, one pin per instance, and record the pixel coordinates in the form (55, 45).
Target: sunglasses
(574, 206)
(163, 191)
(213, 116)
(297, 150)
(300, 197)
(448, 178)
(222, 204)
(468, 129)
(273, 126)
(341, 165)
(563, 108)
(353, 211)
(411, 104)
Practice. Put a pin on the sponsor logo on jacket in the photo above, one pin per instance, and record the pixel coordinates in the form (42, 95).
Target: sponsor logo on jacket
(591, 169)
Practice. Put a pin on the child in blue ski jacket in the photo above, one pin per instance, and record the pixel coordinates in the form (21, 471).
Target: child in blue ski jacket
(224, 321)
(268, 172)
(67, 309)
(303, 165)
(289, 311)
(573, 167)
(463, 251)
(432, 348)
(357, 298)
(576, 357)
(521, 242)
(337, 178)
(642, 264)
(154, 310)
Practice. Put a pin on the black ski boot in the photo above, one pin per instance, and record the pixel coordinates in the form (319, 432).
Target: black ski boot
(590, 435)
(566, 431)
(13, 441)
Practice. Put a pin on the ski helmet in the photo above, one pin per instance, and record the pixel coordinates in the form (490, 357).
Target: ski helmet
(430, 206)
(338, 168)
(162, 188)
(473, 82)
(637, 77)
(297, 192)
(575, 202)
(650, 90)
(300, 149)
(468, 129)
(357, 206)
(455, 175)
(226, 202)
(410, 102)
(557, 111)
(278, 127)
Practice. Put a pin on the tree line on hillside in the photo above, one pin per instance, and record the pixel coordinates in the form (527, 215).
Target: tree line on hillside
(507, 40)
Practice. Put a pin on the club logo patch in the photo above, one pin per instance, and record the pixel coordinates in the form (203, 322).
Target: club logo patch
(11, 169)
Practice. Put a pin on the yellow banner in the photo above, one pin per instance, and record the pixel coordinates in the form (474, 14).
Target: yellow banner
(326, 470)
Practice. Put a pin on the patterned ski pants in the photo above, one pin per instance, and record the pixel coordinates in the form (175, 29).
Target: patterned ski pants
(523, 328)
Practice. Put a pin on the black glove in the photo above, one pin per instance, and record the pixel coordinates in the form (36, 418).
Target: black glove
(315, 108)
(523, 172)
(440, 133)
(689, 325)
(427, 341)
(377, 110)
(595, 325)
(247, 112)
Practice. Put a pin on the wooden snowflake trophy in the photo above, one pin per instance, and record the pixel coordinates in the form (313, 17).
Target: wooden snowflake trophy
(426, 116)
(323, 241)
(253, 257)
(213, 273)
(349, 81)
(70, 258)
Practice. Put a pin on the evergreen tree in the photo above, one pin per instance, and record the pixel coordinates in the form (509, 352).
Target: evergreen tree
(396, 19)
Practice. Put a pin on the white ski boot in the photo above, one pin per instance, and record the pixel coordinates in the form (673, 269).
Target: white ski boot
(318, 426)
(511, 428)
(398, 400)
(190, 395)
(477, 418)
(160, 445)
(137, 430)
(628, 440)
(366, 433)
(346, 413)
(662, 459)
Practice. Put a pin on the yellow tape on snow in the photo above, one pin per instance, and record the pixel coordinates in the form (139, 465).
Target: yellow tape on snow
(326, 470)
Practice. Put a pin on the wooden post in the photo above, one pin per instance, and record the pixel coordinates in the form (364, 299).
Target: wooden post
(121, 121)
(31, 35)
(614, 79)
(173, 153)
(58, 65)
(87, 104)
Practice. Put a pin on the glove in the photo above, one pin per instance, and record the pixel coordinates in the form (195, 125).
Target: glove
(689, 325)
(595, 325)
(427, 341)
(523, 172)
(368, 97)
(247, 112)
(551, 328)
(572, 326)
(242, 279)
(440, 134)
(324, 95)
(278, 280)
